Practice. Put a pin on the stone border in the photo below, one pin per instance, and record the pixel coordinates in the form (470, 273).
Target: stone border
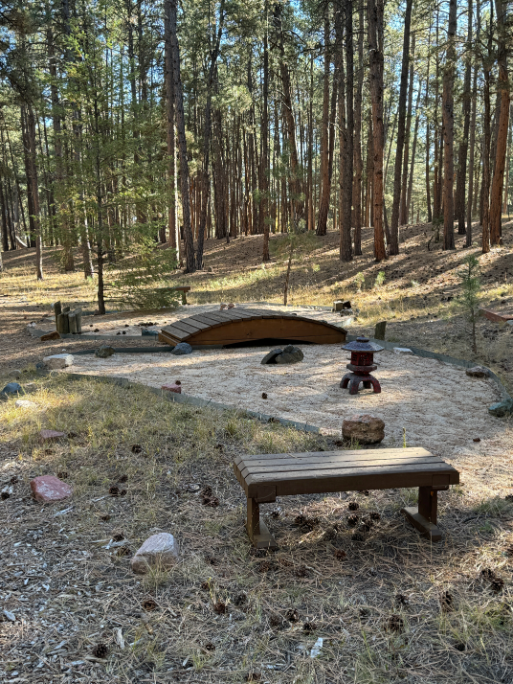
(193, 401)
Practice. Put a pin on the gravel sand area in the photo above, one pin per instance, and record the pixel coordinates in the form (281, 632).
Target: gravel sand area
(437, 404)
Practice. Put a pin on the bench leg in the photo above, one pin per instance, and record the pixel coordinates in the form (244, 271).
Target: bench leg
(184, 298)
(424, 517)
(260, 536)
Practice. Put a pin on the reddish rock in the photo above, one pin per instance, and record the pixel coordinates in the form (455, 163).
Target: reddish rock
(223, 307)
(160, 551)
(172, 387)
(231, 305)
(50, 336)
(48, 488)
(51, 435)
(364, 429)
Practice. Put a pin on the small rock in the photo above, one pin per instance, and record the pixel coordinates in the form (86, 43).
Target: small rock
(402, 350)
(231, 305)
(48, 488)
(501, 408)
(25, 403)
(51, 435)
(10, 389)
(58, 361)
(54, 335)
(104, 351)
(364, 429)
(478, 372)
(222, 307)
(172, 387)
(9, 616)
(148, 333)
(182, 348)
(158, 551)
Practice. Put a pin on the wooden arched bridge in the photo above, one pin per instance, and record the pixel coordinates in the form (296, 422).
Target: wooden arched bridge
(244, 326)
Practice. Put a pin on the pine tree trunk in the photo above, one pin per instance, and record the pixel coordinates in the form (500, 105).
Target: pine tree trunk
(29, 144)
(472, 143)
(346, 252)
(485, 183)
(264, 184)
(375, 30)
(448, 119)
(174, 240)
(358, 161)
(401, 128)
(403, 213)
(325, 179)
(182, 142)
(503, 124)
(413, 152)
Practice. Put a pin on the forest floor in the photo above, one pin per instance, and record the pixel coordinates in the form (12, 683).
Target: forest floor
(387, 605)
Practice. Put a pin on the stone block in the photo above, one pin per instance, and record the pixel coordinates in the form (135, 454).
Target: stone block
(182, 348)
(104, 351)
(11, 389)
(502, 408)
(478, 372)
(26, 404)
(48, 488)
(364, 429)
(159, 552)
(172, 387)
(402, 350)
(57, 361)
(51, 435)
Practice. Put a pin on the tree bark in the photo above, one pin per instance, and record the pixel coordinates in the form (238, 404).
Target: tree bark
(264, 164)
(358, 161)
(325, 176)
(182, 142)
(403, 213)
(448, 119)
(472, 143)
(503, 124)
(29, 144)
(401, 128)
(346, 180)
(174, 239)
(375, 30)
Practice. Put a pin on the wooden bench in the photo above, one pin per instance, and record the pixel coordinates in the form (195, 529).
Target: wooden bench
(266, 476)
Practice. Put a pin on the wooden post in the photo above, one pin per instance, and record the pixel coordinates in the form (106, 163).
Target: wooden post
(260, 536)
(78, 317)
(379, 330)
(424, 518)
(72, 319)
(57, 308)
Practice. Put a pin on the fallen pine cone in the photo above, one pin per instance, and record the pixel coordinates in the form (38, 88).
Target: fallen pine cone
(395, 624)
(100, 651)
(401, 600)
(118, 536)
(220, 608)
(275, 621)
(352, 521)
(446, 602)
(264, 395)
(497, 584)
(136, 448)
(253, 677)
(340, 554)
(292, 615)
(114, 491)
(375, 516)
(309, 627)
(123, 478)
(353, 506)
(488, 574)
(149, 604)
(301, 571)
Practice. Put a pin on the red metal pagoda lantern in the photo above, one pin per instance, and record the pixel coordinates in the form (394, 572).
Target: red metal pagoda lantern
(361, 366)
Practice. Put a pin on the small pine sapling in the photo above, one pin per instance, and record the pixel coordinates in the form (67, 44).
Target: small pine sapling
(380, 280)
(469, 299)
(359, 281)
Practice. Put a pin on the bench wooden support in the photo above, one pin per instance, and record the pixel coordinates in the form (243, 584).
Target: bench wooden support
(424, 517)
(267, 476)
(258, 532)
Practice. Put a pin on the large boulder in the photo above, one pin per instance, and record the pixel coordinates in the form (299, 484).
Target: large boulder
(364, 429)
(57, 361)
(160, 551)
(289, 354)
(48, 488)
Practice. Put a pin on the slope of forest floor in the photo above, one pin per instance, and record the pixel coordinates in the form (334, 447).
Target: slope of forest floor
(417, 297)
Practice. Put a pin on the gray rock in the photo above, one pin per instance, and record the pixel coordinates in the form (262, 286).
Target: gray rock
(104, 351)
(58, 361)
(159, 552)
(402, 350)
(478, 372)
(149, 333)
(26, 404)
(182, 348)
(10, 389)
(502, 408)
(271, 356)
(290, 355)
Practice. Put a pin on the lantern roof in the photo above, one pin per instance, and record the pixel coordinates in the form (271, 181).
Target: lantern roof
(362, 344)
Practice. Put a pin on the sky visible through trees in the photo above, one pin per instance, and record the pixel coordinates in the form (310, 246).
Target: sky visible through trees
(127, 123)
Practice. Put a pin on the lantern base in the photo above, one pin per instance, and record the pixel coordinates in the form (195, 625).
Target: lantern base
(353, 381)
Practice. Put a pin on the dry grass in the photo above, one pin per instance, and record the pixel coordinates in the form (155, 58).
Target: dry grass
(389, 606)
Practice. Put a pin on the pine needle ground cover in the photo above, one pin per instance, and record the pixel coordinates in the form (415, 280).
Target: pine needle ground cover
(388, 606)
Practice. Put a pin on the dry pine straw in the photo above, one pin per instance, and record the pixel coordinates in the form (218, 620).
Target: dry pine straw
(389, 606)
